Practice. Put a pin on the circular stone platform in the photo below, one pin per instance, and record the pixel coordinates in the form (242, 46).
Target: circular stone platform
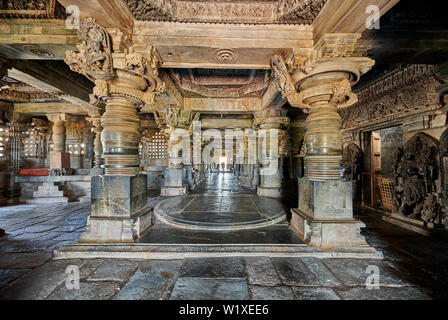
(220, 213)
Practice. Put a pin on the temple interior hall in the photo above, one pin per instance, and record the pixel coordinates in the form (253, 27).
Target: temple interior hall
(236, 150)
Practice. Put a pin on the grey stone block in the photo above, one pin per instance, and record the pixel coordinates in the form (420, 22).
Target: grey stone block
(214, 268)
(271, 293)
(209, 289)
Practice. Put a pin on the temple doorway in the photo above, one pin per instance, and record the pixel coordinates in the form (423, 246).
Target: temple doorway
(379, 147)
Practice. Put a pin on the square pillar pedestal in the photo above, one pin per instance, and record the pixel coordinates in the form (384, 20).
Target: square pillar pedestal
(270, 185)
(59, 160)
(173, 183)
(119, 210)
(324, 218)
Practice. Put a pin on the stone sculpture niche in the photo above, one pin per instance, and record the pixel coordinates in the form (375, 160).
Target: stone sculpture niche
(444, 171)
(416, 178)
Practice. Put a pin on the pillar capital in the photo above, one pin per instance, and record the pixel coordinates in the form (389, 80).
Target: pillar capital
(320, 82)
(271, 118)
(124, 80)
(124, 74)
(57, 117)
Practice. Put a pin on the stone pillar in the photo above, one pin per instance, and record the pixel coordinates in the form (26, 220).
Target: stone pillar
(320, 84)
(59, 159)
(271, 182)
(97, 145)
(124, 81)
(174, 174)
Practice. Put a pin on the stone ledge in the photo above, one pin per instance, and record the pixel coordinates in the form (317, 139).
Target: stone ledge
(35, 179)
(180, 251)
(411, 224)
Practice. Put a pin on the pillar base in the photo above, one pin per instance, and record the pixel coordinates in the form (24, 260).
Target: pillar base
(173, 191)
(324, 218)
(119, 211)
(269, 192)
(59, 160)
(173, 183)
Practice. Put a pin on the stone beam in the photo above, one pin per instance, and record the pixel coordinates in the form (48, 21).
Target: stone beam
(43, 108)
(346, 16)
(192, 45)
(50, 80)
(107, 13)
(36, 39)
(223, 105)
(225, 123)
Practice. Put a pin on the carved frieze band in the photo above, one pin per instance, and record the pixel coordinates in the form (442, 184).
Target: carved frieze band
(259, 12)
(403, 93)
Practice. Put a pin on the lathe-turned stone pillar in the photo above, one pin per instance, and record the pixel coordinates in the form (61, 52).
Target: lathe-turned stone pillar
(320, 84)
(97, 145)
(59, 159)
(274, 122)
(124, 81)
(174, 176)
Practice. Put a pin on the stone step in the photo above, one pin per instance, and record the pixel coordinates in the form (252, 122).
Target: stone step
(185, 250)
(48, 193)
(47, 188)
(48, 200)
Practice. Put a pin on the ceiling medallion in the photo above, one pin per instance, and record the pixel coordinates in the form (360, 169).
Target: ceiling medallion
(37, 51)
(225, 55)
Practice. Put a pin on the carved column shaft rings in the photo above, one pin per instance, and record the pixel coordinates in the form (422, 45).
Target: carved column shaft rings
(59, 136)
(120, 137)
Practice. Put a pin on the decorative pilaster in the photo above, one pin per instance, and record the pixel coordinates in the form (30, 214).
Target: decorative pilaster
(321, 84)
(124, 82)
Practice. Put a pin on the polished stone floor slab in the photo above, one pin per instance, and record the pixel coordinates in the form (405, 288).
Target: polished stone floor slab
(220, 213)
(414, 266)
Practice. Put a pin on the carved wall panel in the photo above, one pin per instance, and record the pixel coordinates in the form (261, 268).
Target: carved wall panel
(405, 92)
(416, 179)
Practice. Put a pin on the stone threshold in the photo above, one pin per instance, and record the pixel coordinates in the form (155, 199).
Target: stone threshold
(180, 251)
(415, 225)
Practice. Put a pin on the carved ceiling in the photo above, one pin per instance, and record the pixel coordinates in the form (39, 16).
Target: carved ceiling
(226, 11)
(12, 90)
(31, 9)
(220, 83)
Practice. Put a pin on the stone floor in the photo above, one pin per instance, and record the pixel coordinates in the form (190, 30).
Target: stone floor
(414, 267)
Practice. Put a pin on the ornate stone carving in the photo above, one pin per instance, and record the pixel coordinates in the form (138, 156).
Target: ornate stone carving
(256, 12)
(49, 9)
(94, 58)
(225, 55)
(352, 162)
(37, 51)
(415, 175)
(124, 81)
(285, 83)
(376, 106)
